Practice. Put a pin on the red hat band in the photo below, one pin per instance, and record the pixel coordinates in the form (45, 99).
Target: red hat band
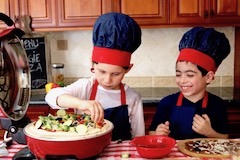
(197, 57)
(111, 56)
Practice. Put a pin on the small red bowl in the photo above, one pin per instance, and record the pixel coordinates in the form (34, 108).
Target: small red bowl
(153, 146)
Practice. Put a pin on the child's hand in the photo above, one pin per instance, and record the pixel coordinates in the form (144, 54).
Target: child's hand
(163, 129)
(93, 108)
(202, 124)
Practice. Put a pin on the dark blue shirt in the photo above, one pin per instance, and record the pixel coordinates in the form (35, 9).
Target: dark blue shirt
(216, 110)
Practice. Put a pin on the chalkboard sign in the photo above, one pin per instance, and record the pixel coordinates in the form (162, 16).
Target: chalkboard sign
(36, 53)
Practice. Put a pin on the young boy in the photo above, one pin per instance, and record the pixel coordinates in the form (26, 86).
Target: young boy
(115, 36)
(193, 112)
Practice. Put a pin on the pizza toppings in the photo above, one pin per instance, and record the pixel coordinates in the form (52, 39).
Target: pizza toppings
(66, 122)
(210, 147)
(207, 147)
(235, 152)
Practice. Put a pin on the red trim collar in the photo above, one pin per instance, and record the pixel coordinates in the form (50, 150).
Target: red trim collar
(204, 102)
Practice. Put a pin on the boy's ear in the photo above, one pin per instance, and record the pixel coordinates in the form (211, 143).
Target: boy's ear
(210, 77)
(92, 68)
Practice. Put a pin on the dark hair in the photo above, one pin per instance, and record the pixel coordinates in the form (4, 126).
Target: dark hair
(202, 70)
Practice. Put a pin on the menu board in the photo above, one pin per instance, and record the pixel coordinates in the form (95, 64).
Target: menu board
(36, 53)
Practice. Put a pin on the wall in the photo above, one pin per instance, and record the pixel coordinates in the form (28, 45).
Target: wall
(154, 60)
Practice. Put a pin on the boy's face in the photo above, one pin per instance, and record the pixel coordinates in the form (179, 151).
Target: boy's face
(190, 81)
(109, 76)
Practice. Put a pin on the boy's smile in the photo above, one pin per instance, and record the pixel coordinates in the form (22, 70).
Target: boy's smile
(190, 81)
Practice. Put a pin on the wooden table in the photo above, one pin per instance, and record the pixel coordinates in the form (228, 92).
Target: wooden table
(114, 152)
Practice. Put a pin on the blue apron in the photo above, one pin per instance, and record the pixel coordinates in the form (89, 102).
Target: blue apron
(181, 119)
(117, 115)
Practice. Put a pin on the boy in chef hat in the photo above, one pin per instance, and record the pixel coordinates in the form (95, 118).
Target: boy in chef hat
(193, 112)
(115, 37)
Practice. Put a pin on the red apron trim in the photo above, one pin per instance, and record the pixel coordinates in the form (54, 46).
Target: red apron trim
(180, 98)
(204, 102)
(94, 92)
(123, 94)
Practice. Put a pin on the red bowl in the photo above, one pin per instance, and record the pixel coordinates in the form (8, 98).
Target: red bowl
(43, 145)
(153, 146)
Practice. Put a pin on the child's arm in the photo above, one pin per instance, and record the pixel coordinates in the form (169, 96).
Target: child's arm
(202, 125)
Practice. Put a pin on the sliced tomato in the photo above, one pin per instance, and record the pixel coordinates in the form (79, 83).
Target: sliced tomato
(99, 124)
(82, 121)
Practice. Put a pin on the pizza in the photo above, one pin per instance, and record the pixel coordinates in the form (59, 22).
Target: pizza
(62, 121)
(207, 147)
(71, 126)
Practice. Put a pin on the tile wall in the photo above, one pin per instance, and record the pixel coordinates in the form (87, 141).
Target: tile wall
(154, 60)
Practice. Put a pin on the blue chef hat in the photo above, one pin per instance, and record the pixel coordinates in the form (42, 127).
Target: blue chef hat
(115, 37)
(205, 47)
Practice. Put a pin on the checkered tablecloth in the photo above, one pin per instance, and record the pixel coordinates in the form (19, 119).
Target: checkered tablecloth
(114, 151)
(11, 149)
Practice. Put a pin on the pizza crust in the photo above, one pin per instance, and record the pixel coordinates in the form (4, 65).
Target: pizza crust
(182, 147)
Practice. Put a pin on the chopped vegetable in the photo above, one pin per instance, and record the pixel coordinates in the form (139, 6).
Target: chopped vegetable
(48, 126)
(61, 113)
(87, 118)
(81, 128)
(61, 83)
(38, 123)
(125, 155)
(66, 122)
(72, 129)
(65, 128)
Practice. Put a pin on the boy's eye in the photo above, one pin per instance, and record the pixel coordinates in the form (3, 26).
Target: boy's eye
(190, 75)
(102, 71)
(178, 74)
(116, 74)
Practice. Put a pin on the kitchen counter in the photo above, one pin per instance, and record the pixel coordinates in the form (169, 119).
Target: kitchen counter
(153, 95)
